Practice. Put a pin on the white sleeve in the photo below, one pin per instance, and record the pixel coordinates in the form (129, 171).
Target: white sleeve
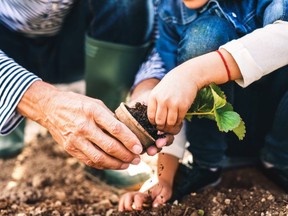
(14, 81)
(178, 147)
(260, 52)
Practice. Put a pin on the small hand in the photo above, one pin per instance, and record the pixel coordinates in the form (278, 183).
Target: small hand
(170, 100)
(158, 191)
(166, 140)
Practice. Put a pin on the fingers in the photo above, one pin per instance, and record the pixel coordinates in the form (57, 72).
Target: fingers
(139, 200)
(152, 150)
(160, 199)
(118, 130)
(151, 110)
(160, 143)
(132, 201)
(126, 202)
(92, 155)
(166, 115)
(161, 194)
(165, 141)
(113, 147)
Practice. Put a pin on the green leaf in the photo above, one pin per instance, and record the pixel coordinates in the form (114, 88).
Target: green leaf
(227, 120)
(217, 90)
(240, 130)
(218, 100)
(204, 101)
(211, 103)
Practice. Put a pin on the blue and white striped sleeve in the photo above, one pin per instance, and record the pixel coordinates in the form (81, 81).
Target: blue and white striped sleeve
(14, 81)
(153, 67)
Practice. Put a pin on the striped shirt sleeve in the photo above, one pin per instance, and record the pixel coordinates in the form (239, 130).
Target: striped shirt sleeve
(14, 81)
(153, 67)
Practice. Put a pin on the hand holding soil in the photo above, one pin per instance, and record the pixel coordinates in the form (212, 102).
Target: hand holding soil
(135, 118)
(84, 126)
(210, 103)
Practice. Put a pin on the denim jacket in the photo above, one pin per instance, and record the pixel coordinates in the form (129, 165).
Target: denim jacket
(245, 15)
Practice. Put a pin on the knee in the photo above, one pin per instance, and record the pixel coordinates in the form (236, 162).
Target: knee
(205, 35)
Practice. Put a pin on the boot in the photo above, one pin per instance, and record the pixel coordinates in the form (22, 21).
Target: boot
(13, 143)
(110, 69)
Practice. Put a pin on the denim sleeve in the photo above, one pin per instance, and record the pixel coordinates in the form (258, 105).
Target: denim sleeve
(276, 10)
(14, 81)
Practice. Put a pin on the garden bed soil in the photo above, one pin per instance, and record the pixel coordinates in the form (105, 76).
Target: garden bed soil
(44, 180)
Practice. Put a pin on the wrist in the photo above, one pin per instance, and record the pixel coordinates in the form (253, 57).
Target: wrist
(143, 87)
(34, 101)
(210, 68)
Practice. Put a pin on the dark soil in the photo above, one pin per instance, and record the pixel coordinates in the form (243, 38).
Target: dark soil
(44, 180)
(139, 112)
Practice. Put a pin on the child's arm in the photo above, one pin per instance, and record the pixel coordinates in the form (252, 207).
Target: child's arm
(157, 190)
(249, 58)
(170, 100)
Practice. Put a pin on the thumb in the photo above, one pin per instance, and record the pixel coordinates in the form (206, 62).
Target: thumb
(159, 200)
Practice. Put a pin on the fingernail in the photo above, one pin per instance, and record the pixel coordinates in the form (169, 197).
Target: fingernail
(137, 149)
(136, 161)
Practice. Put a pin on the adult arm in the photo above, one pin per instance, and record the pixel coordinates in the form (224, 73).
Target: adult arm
(14, 81)
(85, 127)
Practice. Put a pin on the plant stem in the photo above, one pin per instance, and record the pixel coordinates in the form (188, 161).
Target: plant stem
(198, 113)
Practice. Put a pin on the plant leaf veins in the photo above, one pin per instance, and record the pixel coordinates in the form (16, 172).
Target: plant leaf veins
(211, 103)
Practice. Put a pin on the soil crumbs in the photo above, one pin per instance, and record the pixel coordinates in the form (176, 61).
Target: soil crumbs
(44, 180)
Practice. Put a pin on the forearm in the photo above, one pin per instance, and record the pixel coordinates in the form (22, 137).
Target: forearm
(248, 58)
(210, 68)
(143, 87)
(166, 167)
(14, 81)
(35, 100)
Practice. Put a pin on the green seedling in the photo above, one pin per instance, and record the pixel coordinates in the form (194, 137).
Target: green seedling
(211, 103)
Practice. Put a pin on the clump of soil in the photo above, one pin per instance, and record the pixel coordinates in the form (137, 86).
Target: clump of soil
(139, 112)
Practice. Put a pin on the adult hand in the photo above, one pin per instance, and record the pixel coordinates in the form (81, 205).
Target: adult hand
(159, 192)
(85, 127)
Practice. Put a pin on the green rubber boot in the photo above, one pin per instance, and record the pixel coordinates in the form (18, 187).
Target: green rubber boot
(13, 143)
(110, 69)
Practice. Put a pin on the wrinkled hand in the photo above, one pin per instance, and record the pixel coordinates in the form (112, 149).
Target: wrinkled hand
(170, 100)
(85, 127)
(159, 193)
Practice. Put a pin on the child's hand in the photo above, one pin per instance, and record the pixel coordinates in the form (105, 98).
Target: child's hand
(158, 193)
(170, 100)
(132, 201)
